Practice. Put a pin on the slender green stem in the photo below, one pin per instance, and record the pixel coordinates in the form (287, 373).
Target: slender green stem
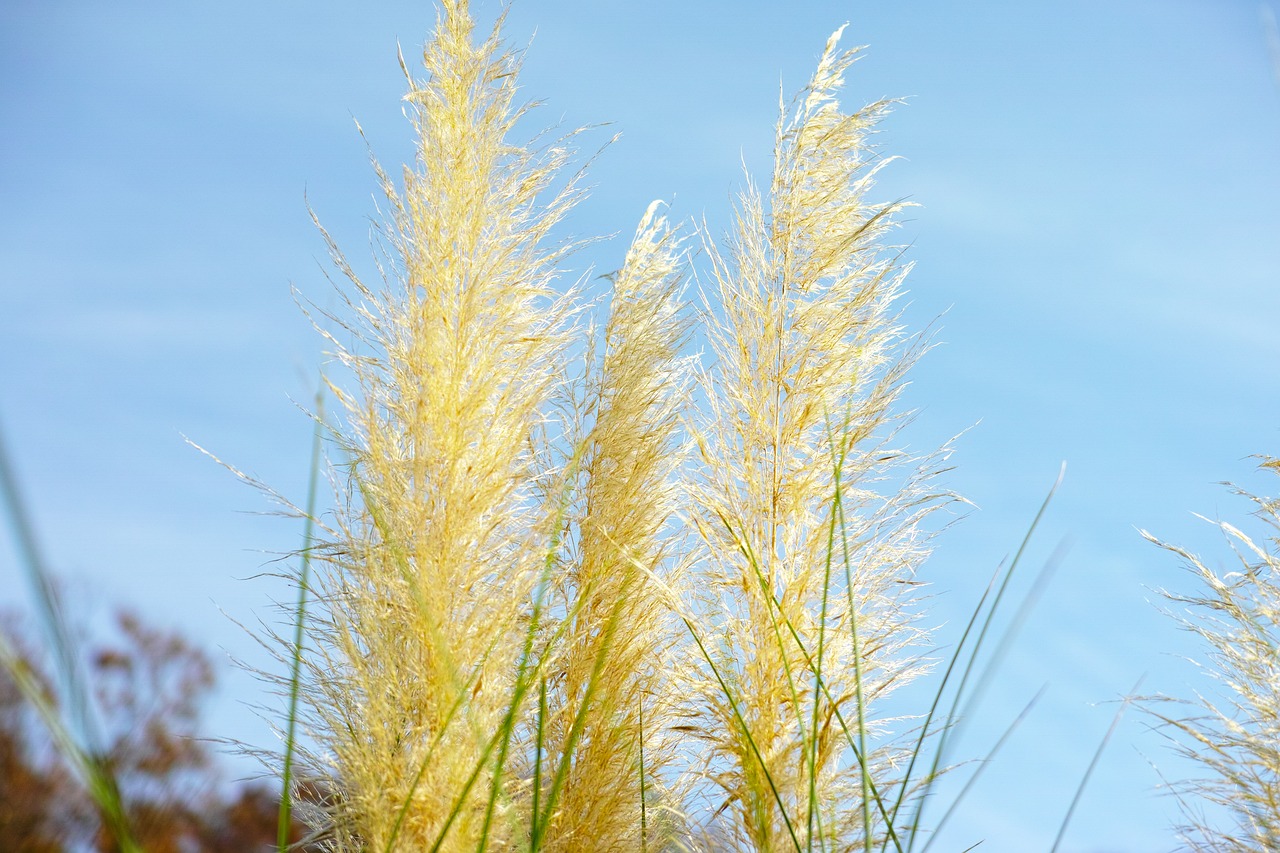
(523, 673)
(927, 726)
(837, 510)
(742, 723)
(577, 727)
(857, 746)
(79, 744)
(983, 765)
(775, 611)
(284, 822)
(537, 749)
(954, 717)
(644, 822)
(1093, 763)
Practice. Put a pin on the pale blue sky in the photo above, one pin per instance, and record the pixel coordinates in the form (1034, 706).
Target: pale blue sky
(1100, 222)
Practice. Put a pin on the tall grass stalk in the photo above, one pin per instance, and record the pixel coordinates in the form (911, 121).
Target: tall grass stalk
(611, 669)
(808, 568)
(1233, 732)
(440, 536)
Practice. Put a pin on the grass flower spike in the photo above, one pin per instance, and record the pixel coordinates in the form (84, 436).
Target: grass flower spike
(610, 700)
(810, 620)
(442, 536)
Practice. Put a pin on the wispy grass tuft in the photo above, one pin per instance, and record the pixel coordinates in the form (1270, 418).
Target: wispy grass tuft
(1233, 736)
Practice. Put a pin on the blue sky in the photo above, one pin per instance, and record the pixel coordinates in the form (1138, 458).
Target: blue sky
(1098, 231)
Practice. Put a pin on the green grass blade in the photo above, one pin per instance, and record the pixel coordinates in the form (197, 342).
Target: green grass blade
(1093, 763)
(775, 611)
(844, 728)
(644, 816)
(984, 677)
(856, 745)
(96, 777)
(422, 769)
(986, 762)
(844, 725)
(867, 784)
(733, 704)
(284, 821)
(524, 673)
(925, 728)
(955, 718)
(462, 796)
(504, 732)
(66, 660)
(538, 747)
(1025, 606)
(576, 729)
(78, 743)
(524, 679)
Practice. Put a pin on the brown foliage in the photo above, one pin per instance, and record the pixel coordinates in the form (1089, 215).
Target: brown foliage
(148, 685)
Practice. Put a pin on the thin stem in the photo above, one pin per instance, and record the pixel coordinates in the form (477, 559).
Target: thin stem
(284, 822)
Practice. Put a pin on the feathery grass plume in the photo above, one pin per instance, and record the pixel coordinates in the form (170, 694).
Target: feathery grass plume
(419, 639)
(809, 622)
(1235, 738)
(601, 745)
